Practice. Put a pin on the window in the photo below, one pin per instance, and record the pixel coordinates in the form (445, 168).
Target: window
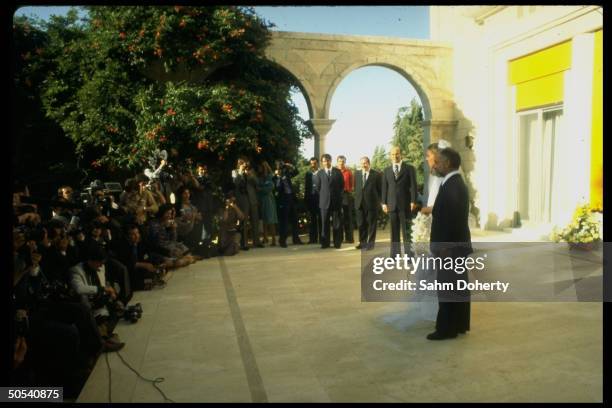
(539, 169)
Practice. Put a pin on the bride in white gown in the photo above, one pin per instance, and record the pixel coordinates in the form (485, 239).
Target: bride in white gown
(423, 305)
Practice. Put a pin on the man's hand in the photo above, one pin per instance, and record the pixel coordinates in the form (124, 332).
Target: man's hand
(385, 208)
(412, 206)
(111, 292)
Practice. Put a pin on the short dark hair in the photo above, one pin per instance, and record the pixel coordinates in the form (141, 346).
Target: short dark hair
(96, 252)
(453, 157)
(341, 157)
(313, 158)
(326, 156)
(164, 208)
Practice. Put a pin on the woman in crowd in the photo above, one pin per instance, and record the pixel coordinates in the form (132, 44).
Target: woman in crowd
(189, 220)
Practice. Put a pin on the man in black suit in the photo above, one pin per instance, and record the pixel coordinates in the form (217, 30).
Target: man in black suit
(311, 199)
(329, 183)
(285, 193)
(450, 237)
(368, 187)
(399, 191)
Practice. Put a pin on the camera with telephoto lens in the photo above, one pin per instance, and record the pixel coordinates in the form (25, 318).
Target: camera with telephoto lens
(133, 313)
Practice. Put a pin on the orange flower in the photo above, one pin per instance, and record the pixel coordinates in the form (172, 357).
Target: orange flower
(182, 24)
(141, 33)
(227, 107)
(162, 138)
(203, 144)
(258, 149)
(170, 112)
(122, 35)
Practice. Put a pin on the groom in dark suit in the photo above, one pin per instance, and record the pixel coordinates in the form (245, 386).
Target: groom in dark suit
(450, 237)
(367, 203)
(329, 183)
(399, 191)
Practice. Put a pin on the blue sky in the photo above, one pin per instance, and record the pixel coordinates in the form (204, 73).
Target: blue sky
(366, 101)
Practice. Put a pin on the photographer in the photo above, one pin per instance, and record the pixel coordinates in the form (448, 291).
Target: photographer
(89, 281)
(162, 238)
(228, 228)
(240, 179)
(286, 199)
(138, 200)
(142, 265)
(58, 332)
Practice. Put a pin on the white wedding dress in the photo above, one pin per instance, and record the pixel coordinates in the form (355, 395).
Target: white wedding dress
(423, 305)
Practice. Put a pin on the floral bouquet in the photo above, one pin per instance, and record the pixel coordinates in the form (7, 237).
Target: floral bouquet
(585, 227)
(421, 229)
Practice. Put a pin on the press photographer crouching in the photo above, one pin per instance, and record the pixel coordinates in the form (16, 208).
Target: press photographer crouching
(146, 269)
(91, 283)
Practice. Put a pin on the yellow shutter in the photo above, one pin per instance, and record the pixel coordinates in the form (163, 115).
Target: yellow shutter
(597, 126)
(539, 76)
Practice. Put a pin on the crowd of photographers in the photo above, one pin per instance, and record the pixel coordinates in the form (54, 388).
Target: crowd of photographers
(79, 256)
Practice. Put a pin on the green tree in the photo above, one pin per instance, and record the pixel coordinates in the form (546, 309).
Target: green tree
(408, 135)
(41, 155)
(101, 92)
(380, 158)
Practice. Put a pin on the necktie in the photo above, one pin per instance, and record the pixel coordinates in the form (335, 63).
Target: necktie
(395, 170)
(328, 173)
(365, 178)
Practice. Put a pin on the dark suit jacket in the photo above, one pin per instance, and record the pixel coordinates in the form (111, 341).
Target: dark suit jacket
(280, 189)
(449, 224)
(368, 197)
(311, 197)
(330, 188)
(398, 194)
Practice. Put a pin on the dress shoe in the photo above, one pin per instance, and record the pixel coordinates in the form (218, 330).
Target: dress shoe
(359, 246)
(283, 245)
(440, 336)
(324, 246)
(110, 347)
(338, 246)
(244, 248)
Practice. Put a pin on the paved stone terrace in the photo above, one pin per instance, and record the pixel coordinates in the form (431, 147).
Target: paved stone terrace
(287, 325)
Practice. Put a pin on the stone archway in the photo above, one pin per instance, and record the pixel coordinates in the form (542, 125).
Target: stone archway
(319, 62)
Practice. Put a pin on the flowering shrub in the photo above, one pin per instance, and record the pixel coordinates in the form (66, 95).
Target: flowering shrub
(99, 86)
(585, 227)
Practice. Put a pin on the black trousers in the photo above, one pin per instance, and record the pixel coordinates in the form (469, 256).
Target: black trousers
(454, 305)
(331, 218)
(287, 219)
(401, 222)
(314, 224)
(118, 273)
(366, 220)
(348, 225)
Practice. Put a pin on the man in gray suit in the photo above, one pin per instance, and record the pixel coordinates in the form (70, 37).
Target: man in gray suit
(329, 183)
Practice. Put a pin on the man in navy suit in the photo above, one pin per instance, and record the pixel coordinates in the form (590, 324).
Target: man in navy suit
(367, 203)
(311, 199)
(450, 237)
(399, 191)
(329, 183)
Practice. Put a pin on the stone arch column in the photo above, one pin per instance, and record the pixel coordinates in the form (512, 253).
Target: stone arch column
(320, 128)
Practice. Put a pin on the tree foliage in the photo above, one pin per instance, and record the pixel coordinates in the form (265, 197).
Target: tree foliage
(99, 86)
(408, 135)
